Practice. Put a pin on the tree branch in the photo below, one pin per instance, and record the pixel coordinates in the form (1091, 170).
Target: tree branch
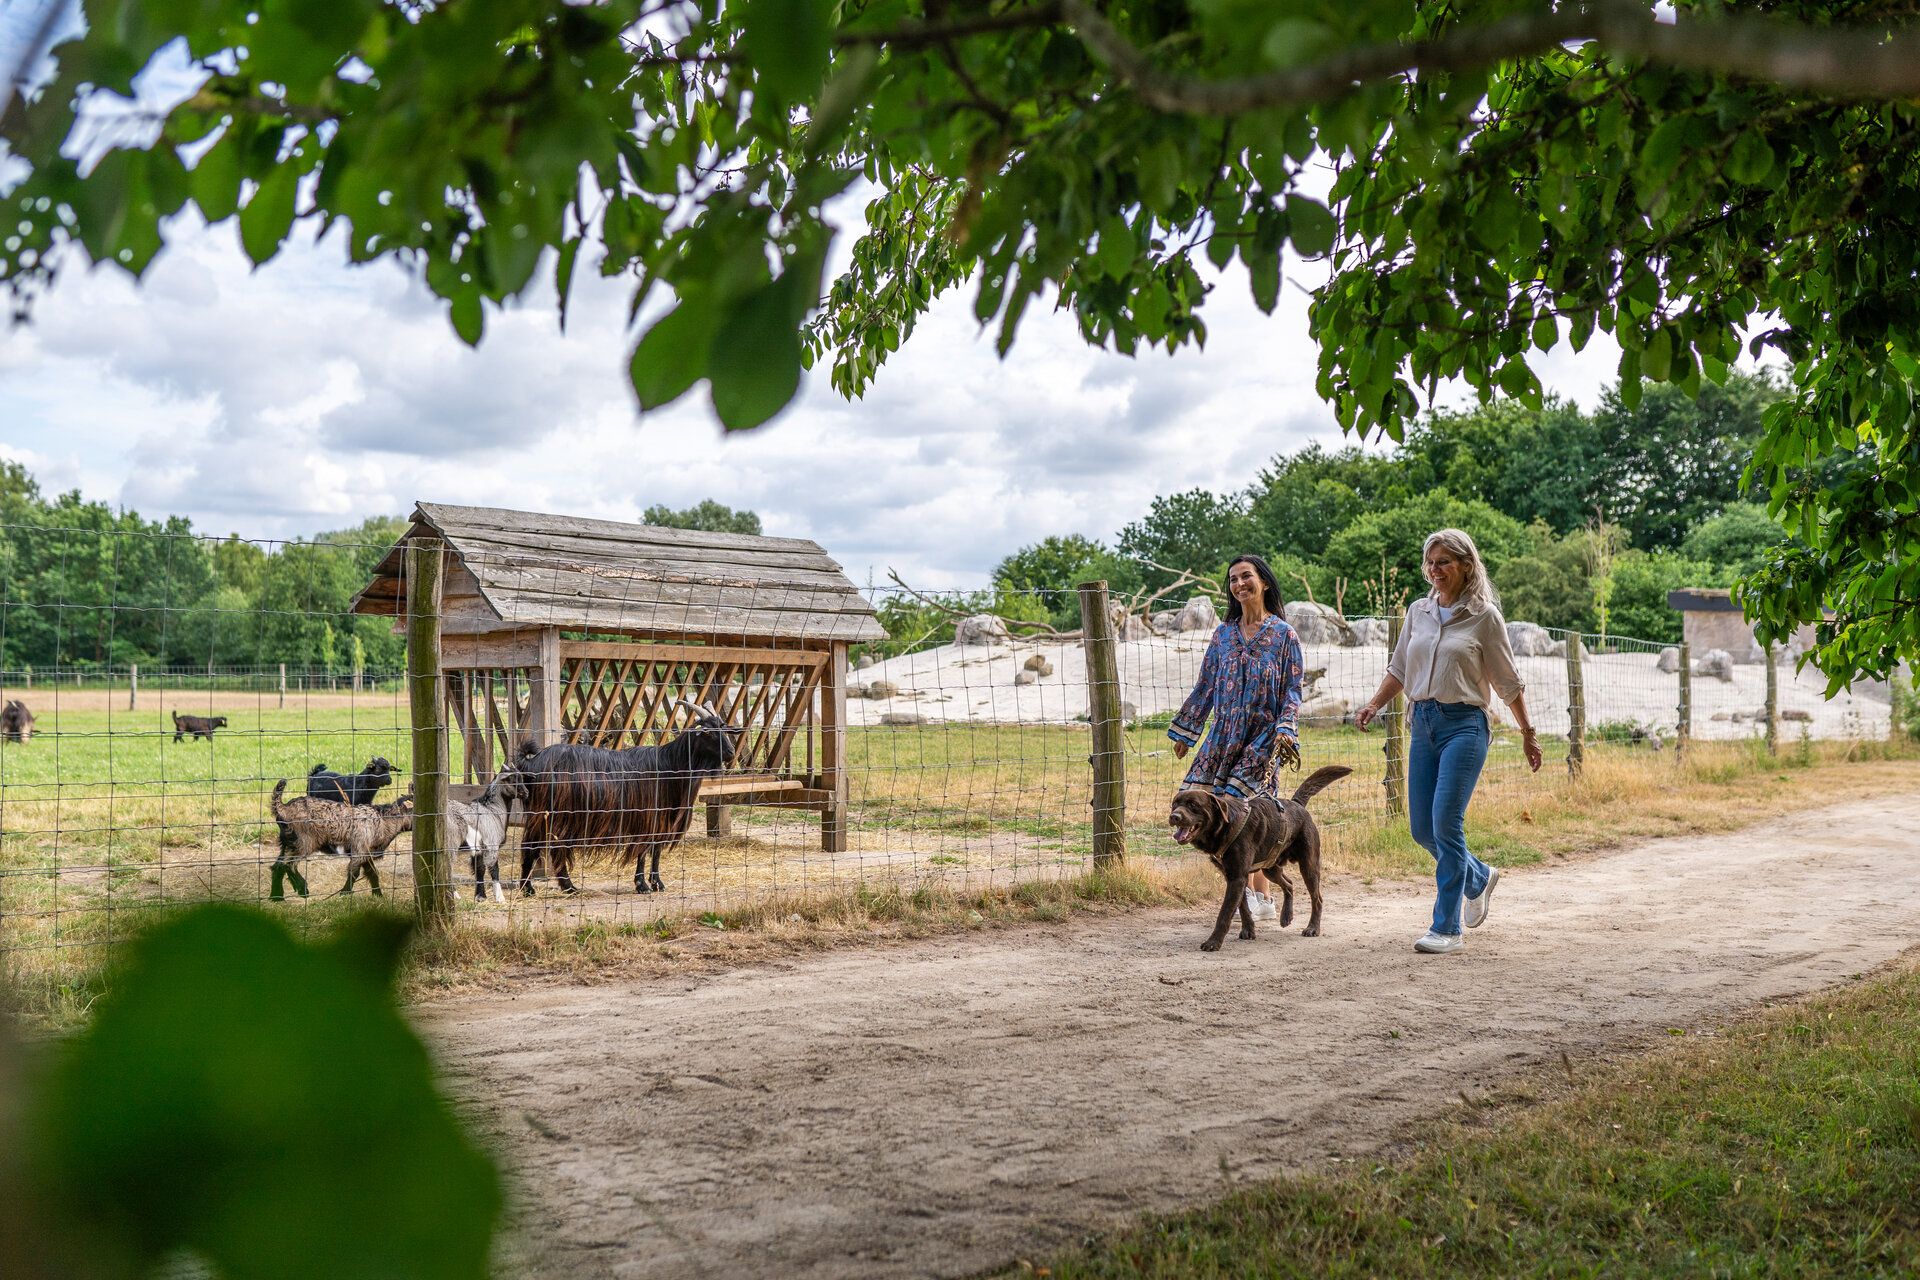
(1845, 62)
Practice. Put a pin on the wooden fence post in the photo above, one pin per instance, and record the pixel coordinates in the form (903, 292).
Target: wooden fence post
(1773, 702)
(1576, 706)
(833, 753)
(1109, 758)
(133, 686)
(283, 684)
(1396, 746)
(432, 869)
(1683, 733)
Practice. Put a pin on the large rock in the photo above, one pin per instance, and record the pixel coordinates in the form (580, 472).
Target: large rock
(1128, 713)
(1165, 622)
(1325, 708)
(866, 660)
(1717, 663)
(1369, 631)
(1797, 714)
(1670, 659)
(902, 718)
(981, 628)
(1318, 624)
(1025, 677)
(1196, 615)
(883, 689)
(1529, 640)
(1034, 662)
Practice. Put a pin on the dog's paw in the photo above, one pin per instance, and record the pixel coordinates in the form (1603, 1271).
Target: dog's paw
(1311, 931)
(1211, 944)
(1246, 935)
(1286, 917)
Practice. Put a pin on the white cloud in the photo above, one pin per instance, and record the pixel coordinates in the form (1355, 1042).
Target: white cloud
(308, 395)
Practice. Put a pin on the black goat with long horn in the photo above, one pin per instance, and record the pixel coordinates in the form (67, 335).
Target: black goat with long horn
(637, 800)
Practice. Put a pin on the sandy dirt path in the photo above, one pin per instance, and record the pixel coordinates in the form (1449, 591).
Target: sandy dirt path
(944, 1107)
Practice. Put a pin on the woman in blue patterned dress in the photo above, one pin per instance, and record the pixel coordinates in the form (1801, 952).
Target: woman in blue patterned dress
(1250, 684)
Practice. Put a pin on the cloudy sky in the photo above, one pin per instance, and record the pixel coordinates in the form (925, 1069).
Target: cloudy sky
(307, 395)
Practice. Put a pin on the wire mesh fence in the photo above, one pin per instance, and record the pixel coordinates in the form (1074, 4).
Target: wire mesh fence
(840, 740)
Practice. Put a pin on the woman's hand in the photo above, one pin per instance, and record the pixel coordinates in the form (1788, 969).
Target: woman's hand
(1364, 717)
(1530, 743)
(1286, 752)
(1179, 751)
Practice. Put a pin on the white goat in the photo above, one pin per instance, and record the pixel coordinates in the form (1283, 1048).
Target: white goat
(481, 826)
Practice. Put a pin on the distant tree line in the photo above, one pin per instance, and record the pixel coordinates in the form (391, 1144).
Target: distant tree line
(1586, 520)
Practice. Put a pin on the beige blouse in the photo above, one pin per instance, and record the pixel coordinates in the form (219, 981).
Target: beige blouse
(1460, 660)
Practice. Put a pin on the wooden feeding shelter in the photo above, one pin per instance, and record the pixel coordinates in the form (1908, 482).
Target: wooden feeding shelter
(555, 628)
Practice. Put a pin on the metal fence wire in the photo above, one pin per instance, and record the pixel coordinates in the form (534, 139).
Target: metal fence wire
(955, 752)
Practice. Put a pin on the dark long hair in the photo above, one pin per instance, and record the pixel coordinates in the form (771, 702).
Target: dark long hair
(1271, 596)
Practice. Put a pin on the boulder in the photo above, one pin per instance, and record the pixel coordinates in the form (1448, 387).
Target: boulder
(1717, 663)
(1670, 659)
(1025, 677)
(1166, 622)
(866, 660)
(1044, 669)
(1795, 713)
(856, 691)
(1197, 615)
(883, 689)
(1558, 649)
(1318, 624)
(981, 628)
(902, 718)
(1128, 713)
(1035, 662)
(1325, 708)
(1529, 640)
(1721, 715)
(1369, 631)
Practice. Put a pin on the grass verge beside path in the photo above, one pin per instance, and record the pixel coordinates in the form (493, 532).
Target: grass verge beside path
(1788, 1145)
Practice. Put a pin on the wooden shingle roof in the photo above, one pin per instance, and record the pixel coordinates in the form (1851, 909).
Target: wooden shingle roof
(610, 576)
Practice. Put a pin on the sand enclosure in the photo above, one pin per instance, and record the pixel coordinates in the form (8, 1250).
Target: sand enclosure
(976, 683)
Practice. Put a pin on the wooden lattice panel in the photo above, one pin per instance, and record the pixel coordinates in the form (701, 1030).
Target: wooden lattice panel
(622, 695)
(491, 710)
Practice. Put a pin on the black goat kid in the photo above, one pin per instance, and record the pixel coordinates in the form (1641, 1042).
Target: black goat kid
(637, 801)
(324, 784)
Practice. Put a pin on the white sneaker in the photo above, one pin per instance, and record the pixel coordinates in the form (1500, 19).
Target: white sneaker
(1261, 905)
(1440, 944)
(1474, 911)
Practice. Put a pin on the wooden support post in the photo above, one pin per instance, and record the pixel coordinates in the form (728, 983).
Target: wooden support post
(432, 869)
(1576, 705)
(283, 684)
(833, 752)
(719, 820)
(1396, 744)
(1109, 758)
(133, 686)
(544, 697)
(1773, 701)
(1683, 734)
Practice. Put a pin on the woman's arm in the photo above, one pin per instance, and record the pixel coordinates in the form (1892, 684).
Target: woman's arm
(1191, 720)
(1389, 690)
(1529, 741)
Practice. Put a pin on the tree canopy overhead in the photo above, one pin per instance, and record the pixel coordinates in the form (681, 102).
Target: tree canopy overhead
(1510, 176)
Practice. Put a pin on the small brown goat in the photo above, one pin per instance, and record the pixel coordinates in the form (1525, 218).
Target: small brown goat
(197, 726)
(364, 831)
(16, 722)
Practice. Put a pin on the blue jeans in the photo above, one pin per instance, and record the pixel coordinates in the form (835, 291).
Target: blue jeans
(1447, 749)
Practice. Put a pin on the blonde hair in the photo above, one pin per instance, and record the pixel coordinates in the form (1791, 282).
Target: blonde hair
(1476, 588)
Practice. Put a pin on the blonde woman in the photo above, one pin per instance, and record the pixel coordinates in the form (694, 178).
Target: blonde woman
(1452, 656)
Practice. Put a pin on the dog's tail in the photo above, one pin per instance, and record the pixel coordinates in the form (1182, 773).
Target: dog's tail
(1319, 780)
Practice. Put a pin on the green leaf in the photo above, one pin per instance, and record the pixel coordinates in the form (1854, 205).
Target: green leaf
(1115, 254)
(1751, 160)
(672, 355)
(563, 275)
(1312, 226)
(755, 362)
(168, 1125)
(788, 42)
(1263, 273)
(1546, 332)
(1657, 358)
(215, 180)
(268, 217)
(1661, 153)
(1158, 172)
(469, 321)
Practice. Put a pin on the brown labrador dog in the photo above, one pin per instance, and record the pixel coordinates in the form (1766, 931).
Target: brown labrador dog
(1261, 834)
